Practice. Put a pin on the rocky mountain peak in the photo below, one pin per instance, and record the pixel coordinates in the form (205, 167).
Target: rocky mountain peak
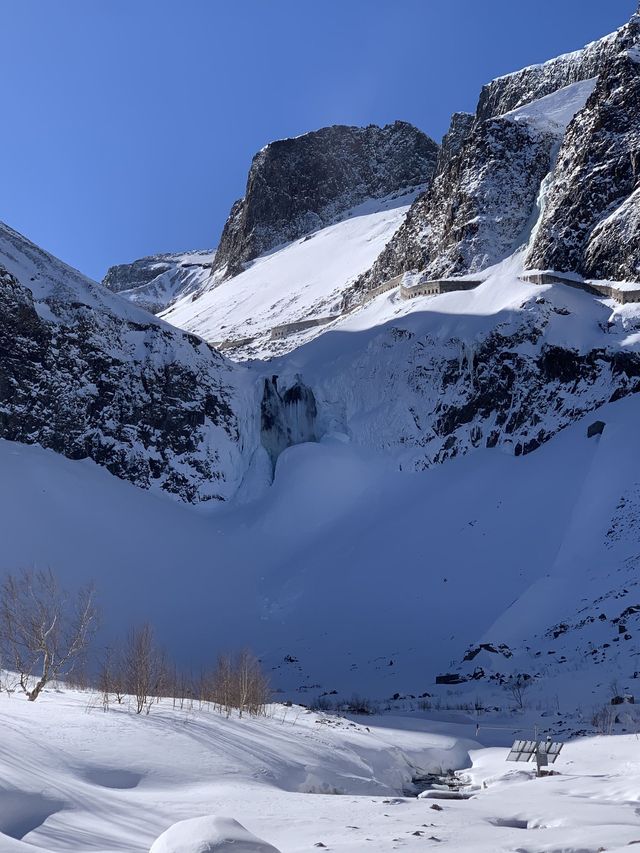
(300, 184)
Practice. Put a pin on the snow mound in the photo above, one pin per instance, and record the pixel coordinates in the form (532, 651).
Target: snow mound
(209, 835)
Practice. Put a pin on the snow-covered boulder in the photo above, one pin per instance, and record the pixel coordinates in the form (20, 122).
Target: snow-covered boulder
(210, 834)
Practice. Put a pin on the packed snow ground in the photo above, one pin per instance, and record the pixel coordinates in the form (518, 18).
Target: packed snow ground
(302, 280)
(77, 779)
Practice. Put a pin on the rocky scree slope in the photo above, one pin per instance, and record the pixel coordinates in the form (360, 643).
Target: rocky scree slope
(491, 167)
(88, 375)
(298, 185)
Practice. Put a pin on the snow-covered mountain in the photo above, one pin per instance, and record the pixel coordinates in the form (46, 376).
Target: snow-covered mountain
(296, 186)
(347, 554)
(90, 375)
(304, 280)
(156, 282)
(563, 133)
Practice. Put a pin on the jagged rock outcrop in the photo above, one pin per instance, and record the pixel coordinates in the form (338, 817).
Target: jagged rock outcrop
(155, 282)
(479, 204)
(88, 376)
(590, 220)
(491, 167)
(136, 274)
(521, 87)
(300, 184)
(613, 250)
(405, 251)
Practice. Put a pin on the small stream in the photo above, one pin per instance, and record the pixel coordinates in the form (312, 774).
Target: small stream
(439, 786)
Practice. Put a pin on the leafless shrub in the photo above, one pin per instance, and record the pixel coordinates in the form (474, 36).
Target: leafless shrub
(111, 679)
(144, 668)
(239, 684)
(517, 685)
(44, 630)
(321, 703)
(360, 705)
(603, 719)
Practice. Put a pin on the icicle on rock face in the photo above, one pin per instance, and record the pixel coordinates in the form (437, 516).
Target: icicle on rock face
(287, 418)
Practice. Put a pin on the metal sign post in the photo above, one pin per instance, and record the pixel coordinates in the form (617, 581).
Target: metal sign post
(545, 752)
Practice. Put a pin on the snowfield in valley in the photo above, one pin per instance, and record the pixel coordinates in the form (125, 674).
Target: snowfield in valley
(75, 778)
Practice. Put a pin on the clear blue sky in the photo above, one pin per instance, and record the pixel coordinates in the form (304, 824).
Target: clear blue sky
(129, 125)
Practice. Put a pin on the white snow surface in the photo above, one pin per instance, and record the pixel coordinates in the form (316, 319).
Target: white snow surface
(53, 282)
(77, 779)
(302, 280)
(553, 112)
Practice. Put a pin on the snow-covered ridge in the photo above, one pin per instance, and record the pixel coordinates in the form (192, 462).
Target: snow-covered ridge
(301, 281)
(296, 186)
(568, 58)
(513, 90)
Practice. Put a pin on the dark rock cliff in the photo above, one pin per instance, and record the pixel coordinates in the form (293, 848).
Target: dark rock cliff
(491, 168)
(521, 87)
(300, 184)
(590, 221)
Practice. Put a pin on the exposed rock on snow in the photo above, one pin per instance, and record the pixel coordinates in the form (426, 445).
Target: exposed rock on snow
(477, 210)
(488, 175)
(209, 835)
(298, 185)
(591, 205)
(457, 378)
(302, 280)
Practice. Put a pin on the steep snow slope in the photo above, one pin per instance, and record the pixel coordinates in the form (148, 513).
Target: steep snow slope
(347, 574)
(508, 363)
(302, 280)
(554, 112)
(298, 185)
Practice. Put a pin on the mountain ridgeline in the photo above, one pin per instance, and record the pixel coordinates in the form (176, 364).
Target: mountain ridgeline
(582, 133)
(547, 170)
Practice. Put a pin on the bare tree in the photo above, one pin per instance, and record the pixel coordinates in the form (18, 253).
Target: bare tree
(517, 685)
(240, 684)
(145, 670)
(111, 678)
(44, 630)
(221, 687)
